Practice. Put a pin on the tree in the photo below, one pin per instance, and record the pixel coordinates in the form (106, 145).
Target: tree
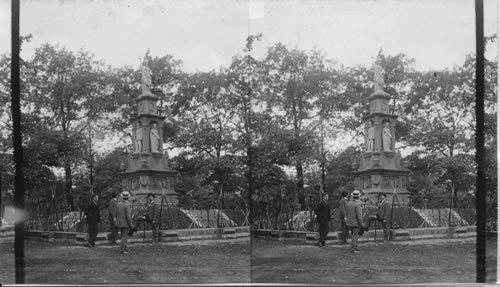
(245, 92)
(299, 88)
(60, 88)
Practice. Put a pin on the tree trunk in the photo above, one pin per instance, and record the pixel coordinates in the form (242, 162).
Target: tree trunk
(249, 152)
(300, 185)
(68, 187)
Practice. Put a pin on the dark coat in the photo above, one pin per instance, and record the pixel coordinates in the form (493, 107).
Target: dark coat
(152, 212)
(384, 211)
(322, 211)
(92, 213)
(343, 208)
(113, 204)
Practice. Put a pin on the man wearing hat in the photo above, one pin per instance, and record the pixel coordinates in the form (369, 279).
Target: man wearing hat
(355, 219)
(323, 217)
(124, 219)
(150, 216)
(383, 215)
(93, 219)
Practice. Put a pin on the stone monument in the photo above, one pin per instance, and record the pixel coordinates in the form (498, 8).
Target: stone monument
(148, 169)
(378, 168)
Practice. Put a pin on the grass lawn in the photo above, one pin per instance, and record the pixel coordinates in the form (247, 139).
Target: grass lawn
(60, 263)
(425, 261)
(438, 261)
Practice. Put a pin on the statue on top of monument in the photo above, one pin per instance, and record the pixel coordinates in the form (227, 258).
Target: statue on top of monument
(378, 71)
(146, 82)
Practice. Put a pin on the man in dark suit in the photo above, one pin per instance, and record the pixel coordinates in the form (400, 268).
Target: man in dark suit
(93, 219)
(343, 215)
(383, 215)
(323, 217)
(150, 216)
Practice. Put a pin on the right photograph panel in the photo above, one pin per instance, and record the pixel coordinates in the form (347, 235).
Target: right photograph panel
(362, 162)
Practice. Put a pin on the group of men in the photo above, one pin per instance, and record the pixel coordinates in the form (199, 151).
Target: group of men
(120, 218)
(351, 218)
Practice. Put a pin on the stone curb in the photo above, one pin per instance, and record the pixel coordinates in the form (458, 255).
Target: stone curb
(370, 236)
(178, 235)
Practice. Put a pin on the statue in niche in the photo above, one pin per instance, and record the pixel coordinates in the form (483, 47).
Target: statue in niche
(139, 133)
(146, 83)
(156, 183)
(135, 183)
(387, 137)
(384, 106)
(370, 137)
(143, 181)
(367, 182)
(155, 138)
(396, 181)
(389, 182)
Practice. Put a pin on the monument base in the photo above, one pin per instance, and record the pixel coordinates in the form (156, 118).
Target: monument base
(403, 198)
(171, 198)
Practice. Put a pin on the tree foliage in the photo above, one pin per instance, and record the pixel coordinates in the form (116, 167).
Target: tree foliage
(259, 130)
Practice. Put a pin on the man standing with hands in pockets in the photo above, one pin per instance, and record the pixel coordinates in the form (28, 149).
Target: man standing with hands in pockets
(124, 220)
(355, 219)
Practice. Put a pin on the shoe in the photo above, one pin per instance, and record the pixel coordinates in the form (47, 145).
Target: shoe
(89, 245)
(363, 230)
(132, 231)
(355, 251)
(125, 252)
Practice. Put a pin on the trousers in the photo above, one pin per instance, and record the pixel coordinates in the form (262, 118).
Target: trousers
(92, 232)
(345, 231)
(123, 241)
(355, 235)
(152, 225)
(323, 231)
(114, 230)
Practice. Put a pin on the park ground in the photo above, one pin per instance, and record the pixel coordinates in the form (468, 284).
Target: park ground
(265, 261)
(425, 261)
(195, 262)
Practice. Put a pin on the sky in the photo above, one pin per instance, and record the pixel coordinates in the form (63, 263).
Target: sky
(206, 34)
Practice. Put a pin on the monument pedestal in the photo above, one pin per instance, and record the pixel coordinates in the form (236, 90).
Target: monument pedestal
(147, 169)
(379, 168)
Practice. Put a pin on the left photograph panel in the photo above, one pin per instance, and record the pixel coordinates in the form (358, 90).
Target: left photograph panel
(134, 155)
